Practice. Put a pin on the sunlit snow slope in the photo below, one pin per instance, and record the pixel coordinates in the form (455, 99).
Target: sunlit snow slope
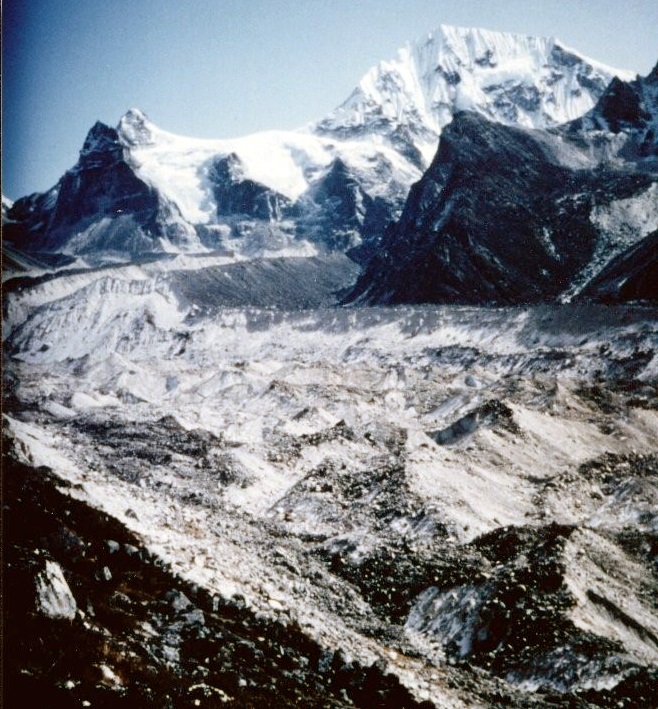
(508, 78)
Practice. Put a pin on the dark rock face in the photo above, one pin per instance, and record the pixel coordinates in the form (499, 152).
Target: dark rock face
(510, 97)
(585, 76)
(630, 108)
(621, 104)
(237, 195)
(100, 204)
(337, 212)
(494, 220)
(631, 276)
(342, 194)
(507, 215)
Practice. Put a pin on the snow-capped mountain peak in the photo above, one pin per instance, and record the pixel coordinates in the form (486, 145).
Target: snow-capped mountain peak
(278, 190)
(135, 128)
(514, 79)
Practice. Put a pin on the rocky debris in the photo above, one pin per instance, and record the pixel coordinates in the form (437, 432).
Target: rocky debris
(144, 637)
(287, 447)
(515, 567)
(125, 448)
(282, 283)
(640, 395)
(502, 603)
(141, 440)
(614, 491)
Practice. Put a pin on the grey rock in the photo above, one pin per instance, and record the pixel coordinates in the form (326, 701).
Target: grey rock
(511, 216)
(54, 597)
(112, 546)
(178, 600)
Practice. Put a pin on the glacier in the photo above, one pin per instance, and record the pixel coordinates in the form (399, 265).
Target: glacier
(220, 487)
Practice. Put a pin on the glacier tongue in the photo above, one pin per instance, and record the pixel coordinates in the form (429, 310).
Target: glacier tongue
(300, 480)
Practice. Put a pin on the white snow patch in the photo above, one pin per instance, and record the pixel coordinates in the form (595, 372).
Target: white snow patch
(83, 401)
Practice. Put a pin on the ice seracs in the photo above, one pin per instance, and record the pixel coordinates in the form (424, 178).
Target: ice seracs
(234, 445)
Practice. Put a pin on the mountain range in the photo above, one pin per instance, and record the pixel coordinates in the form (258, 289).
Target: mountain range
(333, 185)
(223, 489)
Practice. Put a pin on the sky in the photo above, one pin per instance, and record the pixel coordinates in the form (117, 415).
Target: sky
(225, 68)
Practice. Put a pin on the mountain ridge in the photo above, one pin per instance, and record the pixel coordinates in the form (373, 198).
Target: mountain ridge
(457, 68)
(196, 205)
(509, 215)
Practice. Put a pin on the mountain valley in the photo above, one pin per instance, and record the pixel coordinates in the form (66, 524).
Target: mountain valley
(359, 415)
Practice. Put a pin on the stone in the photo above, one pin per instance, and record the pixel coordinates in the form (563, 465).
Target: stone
(178, 600)
(112, 546)
(54, 597)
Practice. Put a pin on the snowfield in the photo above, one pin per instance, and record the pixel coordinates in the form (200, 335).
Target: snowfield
(422, 486)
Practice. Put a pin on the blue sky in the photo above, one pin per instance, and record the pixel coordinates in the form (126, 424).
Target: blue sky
(223, 68)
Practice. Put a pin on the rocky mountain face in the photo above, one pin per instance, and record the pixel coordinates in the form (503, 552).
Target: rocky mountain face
(633, 275)
(628, 111)
(137, 191)
(512, 215)
(333, 185)
(100, 205)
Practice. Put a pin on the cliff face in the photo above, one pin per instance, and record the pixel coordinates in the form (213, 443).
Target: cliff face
(633, 275)
(507, 215)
